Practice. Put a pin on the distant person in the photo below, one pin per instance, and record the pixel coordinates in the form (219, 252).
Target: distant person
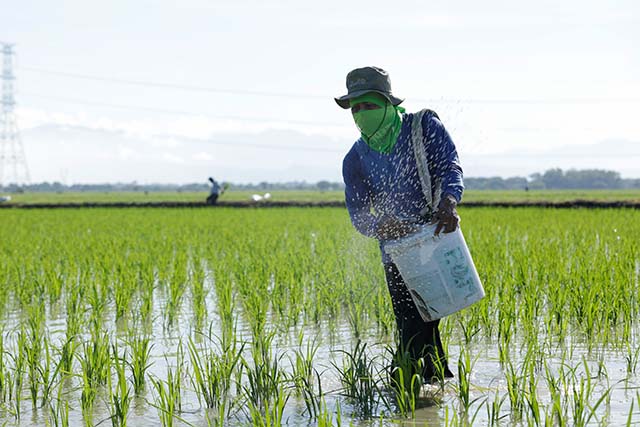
(215, 192)
(385, 197)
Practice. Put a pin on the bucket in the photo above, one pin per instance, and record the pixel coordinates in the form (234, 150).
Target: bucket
(438, 270)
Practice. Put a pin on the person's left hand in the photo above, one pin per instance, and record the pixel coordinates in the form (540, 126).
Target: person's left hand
(446, 217)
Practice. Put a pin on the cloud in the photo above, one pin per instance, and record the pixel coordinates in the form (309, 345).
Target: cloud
(125, 153)
(173, 158)
(202, 156)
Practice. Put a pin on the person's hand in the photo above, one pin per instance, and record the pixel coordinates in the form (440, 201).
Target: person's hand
(388, 228)
(446, 217)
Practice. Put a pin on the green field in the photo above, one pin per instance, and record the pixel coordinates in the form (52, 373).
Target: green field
(266, 317)
(632, 195)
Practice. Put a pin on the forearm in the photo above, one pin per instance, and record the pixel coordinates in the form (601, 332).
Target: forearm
(452, 184)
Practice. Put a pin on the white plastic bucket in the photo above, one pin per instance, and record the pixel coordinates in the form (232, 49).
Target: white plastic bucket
(438, 271)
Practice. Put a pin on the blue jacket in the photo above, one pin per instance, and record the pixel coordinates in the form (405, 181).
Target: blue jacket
(379, 184)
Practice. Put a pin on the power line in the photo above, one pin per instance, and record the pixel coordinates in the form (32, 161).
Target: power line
(271, 146)
(178, 112)
(194, 88)
(173, 85)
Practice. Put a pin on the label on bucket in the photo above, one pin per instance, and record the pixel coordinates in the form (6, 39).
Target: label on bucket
(438, 271)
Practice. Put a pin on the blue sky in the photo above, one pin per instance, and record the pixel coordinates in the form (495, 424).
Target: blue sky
(246, 87)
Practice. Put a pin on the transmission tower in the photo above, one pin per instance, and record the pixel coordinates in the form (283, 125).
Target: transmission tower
(13, 163)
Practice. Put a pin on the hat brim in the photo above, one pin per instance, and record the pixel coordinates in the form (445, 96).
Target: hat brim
(343, 101)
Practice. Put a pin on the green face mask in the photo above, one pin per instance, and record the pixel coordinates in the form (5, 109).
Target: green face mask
(380, 127)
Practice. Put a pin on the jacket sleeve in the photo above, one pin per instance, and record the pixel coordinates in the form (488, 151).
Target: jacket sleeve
(442, 157)
(357, 196)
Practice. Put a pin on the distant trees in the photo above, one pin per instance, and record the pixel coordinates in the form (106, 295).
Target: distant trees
(556, 179)
(550, 179)
(588, 179)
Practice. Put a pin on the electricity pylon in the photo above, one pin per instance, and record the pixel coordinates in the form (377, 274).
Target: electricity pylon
(13, 163)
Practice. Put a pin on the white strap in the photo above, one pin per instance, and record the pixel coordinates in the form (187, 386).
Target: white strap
(418, 143)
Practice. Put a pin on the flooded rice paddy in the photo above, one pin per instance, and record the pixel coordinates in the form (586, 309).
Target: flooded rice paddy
(147, 317)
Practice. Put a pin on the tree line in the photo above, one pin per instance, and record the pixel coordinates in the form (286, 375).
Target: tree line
(551, 179)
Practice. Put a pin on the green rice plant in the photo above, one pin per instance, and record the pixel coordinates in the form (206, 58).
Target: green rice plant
(325, 417)
(358, 379)
(146, 285)
(405, 377)
(265, 376)
(632, 358)
(120, 392)
(269, 413)
(5, 374)
(465, 367)
(494, 410)
(305, 377)
(470, 328)
(70, 344)
(31, 342)
(211, 374)
(95, 363)
(177, 285)
(556, 412)
(515, 389)
(19, 363)
(356, 315)
(165, 401)
(59, 412)
(140, 350)
(50, 374)
(198, 292)
(582, 394)
(531, 396)
(168, 398)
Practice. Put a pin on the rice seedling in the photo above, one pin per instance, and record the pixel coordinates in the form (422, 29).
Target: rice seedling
(95, 363)
(515, 388)
(306, 379)
(464, 381)
(269, 413)
(358, 379)
(212, 373)
(120, 392)
(265, 376)
(165, 400)
(59, 412)
(140, 350)
(49, 372)
(405, 374)
(494, 410)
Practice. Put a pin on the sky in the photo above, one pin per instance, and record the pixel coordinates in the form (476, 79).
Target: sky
(169, 91)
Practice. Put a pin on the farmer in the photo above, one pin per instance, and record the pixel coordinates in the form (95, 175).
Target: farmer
(385, 197)
(215, 192)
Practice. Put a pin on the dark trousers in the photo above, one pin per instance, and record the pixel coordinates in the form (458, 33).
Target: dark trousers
(212, 199)
(420, 338)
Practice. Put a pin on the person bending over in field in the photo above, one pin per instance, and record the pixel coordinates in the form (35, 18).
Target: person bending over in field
(385, 197)
(215, 192)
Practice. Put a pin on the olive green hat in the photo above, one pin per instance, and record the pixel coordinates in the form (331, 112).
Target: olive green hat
(364, 80)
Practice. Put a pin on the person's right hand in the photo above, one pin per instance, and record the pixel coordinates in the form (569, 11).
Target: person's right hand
(388, 228)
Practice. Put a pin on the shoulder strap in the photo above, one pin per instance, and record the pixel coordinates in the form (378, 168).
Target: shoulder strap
(418, 143)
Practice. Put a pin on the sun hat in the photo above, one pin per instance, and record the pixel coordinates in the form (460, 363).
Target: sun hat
(364, 80)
